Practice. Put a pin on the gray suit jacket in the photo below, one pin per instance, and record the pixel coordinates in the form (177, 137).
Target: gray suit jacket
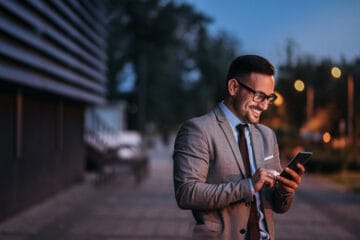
(209, 176)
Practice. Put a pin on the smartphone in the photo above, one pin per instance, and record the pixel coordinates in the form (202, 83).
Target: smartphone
(301, 157)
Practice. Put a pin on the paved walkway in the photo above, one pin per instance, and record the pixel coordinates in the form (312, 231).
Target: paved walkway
(322, 210)
(123, 209)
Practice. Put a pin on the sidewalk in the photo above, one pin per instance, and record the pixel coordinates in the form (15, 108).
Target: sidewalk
(322, 210)
(121, 209)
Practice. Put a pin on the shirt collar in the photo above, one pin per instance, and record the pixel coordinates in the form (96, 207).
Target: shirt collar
(231, 117)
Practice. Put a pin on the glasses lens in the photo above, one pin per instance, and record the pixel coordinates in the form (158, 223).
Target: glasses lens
(259, 97)
(272, 98)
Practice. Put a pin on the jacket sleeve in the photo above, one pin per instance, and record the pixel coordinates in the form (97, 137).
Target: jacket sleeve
(281, 201)
(192, 156)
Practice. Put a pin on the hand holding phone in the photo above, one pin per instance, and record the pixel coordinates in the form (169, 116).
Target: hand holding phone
(301, 157)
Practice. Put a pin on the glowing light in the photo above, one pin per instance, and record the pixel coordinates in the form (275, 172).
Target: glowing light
(326, 137)
(336, 72)
(299, 85)
(280, 100)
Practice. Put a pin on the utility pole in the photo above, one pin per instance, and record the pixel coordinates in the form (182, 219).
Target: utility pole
(350, 105)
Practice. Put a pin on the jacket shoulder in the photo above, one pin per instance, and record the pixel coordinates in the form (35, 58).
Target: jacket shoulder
(203, 120)
(263, 128)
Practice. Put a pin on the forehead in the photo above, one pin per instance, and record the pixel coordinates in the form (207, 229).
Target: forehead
(261, 82)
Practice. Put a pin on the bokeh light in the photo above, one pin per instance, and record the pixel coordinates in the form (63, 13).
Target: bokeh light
(280, 100)
(326, 137)
(299, 85)
(336, 72)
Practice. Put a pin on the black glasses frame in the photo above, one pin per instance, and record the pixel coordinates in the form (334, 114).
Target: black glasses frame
(259, 96)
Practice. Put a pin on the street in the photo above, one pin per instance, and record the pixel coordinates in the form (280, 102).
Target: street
(121, 208)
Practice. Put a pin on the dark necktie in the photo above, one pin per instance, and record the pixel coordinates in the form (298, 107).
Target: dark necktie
(253, 222)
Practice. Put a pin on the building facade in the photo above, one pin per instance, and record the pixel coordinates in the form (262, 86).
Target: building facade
(52, 65)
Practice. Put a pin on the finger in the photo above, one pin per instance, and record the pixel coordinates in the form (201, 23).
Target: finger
(260, 179)
(269, 178)
(288, 183)
(287, 189)
(295, 176)
(270, 183)
(300, 169)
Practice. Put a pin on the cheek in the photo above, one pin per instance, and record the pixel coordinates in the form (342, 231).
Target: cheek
(242, 104)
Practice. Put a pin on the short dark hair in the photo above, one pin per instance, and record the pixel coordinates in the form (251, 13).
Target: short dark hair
(246, 64)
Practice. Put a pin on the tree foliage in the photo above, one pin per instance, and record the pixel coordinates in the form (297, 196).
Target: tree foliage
(179, 68)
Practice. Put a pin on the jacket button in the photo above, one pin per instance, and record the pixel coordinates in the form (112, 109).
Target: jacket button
(242, 231)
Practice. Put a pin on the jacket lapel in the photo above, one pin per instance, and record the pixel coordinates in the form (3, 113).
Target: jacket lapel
(230, 138)
(258, 146)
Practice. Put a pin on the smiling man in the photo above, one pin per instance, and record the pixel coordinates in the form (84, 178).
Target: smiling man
(226, 163)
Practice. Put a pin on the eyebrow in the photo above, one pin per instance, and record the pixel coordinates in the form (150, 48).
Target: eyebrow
(253, 90)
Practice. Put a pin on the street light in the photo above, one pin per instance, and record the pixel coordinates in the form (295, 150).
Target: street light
(336, 73)
(299, 86)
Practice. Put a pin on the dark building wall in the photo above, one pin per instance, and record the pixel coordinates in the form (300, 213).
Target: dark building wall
(42, 148)
(52, 65)
(7, 151)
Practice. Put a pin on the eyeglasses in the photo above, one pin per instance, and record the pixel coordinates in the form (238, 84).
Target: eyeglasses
(259, 96)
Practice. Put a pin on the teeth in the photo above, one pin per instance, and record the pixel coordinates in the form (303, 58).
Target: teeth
(256, 113)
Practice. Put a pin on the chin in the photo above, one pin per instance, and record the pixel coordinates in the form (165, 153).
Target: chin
(254, 120)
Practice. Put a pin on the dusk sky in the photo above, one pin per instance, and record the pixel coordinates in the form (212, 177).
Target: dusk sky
(320, 28)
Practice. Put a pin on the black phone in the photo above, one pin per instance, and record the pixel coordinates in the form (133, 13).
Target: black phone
(301, 157)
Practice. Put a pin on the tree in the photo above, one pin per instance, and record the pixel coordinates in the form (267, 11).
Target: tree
(173, 58)
(213, 56)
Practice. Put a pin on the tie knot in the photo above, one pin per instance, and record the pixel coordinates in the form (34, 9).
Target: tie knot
(241, 127)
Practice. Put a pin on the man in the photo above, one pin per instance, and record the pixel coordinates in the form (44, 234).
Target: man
(226, 164)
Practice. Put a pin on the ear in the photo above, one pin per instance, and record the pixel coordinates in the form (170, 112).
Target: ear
(232, 86)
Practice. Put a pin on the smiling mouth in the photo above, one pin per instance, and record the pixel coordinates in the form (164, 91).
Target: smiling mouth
(256, 112)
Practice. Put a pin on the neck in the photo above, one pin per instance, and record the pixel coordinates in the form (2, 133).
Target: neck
(228, 102)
